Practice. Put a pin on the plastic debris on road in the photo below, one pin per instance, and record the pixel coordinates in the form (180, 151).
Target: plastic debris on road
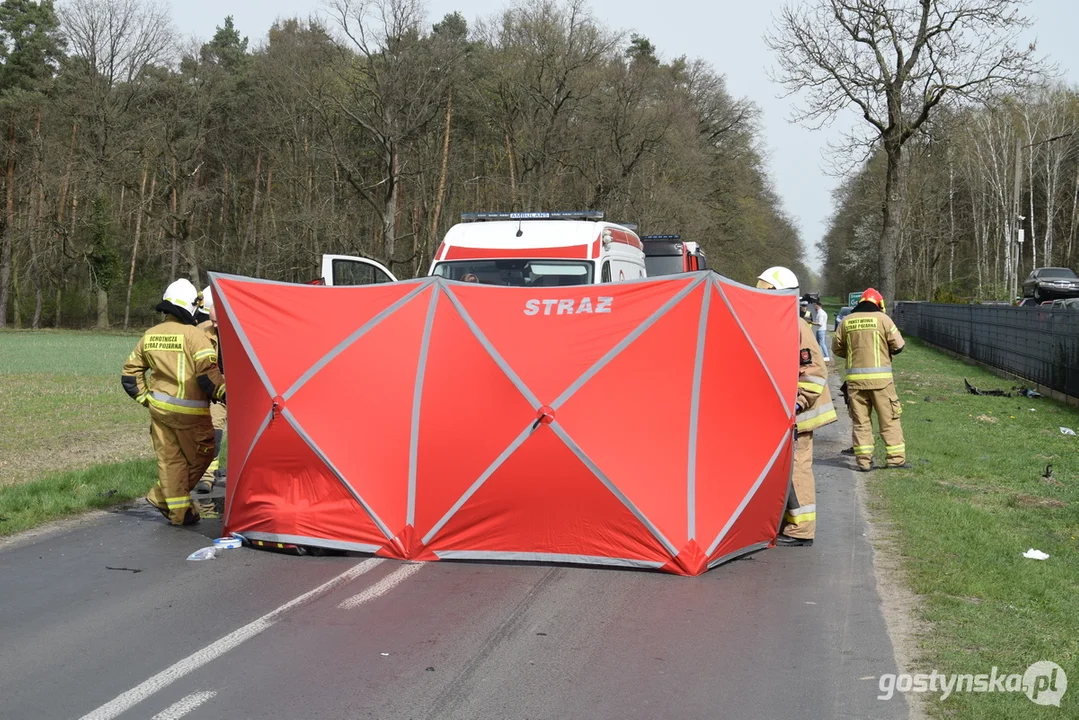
(206, 553)
(1033, 554)
(1067, 431)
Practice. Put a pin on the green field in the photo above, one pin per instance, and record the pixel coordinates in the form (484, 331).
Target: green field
(61, 404)
(974, 502)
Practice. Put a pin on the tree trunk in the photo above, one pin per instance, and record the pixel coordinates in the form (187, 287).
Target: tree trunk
(389, 207)
(37, 205)
(951, 223)
(16, 310)
(135, 244)
(443, 170)
(1015, 224)
(9, 221)
(102, 309)
(513, 172)
(261, 242)
(1030, 188)
(892, 207)
(174, 255)
(251, 236)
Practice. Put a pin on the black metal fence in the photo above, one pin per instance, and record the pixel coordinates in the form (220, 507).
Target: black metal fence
(1034, 343)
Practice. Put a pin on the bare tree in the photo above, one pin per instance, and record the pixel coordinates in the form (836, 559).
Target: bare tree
(394, 82)
(113, 42)
(894, 62)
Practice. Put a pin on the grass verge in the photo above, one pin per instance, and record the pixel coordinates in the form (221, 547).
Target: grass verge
(30, 504)
(61, 404)
(977, 498)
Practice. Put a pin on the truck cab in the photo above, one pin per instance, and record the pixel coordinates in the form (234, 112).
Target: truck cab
(669, 255)
(526, 249)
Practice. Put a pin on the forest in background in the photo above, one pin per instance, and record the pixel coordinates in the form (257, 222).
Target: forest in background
(132, 157)
(958, 225)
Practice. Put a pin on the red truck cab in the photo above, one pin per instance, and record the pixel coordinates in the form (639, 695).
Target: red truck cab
(669, 255)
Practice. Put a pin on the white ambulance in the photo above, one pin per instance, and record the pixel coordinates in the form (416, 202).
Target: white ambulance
(526, 249)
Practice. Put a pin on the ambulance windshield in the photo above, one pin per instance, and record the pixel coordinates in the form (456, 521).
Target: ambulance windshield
(518, 272)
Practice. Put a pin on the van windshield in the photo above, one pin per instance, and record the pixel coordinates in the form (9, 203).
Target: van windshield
(518, 272)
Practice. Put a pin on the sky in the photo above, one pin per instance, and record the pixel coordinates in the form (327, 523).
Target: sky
(726, 33)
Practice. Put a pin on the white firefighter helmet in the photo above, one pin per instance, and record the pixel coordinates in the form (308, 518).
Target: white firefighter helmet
(182, 294)
(780, 278)
(207, 299)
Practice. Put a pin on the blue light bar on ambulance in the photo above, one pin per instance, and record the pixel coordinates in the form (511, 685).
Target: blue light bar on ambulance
(661, 237)
(555, 215)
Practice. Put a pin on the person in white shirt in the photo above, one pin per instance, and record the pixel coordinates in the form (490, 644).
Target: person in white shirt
(820, 327)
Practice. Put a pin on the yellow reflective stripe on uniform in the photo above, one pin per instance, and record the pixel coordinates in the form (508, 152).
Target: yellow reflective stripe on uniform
(181, 376)
(895, 449)
(207, 353)
(816, 417)
(809, 386)
(178, 502)
(182, 409)
(220, 392)
(869, 373)
(863, 449)
(817, 411)
(180, 401)
(801, 515)
(812, 380)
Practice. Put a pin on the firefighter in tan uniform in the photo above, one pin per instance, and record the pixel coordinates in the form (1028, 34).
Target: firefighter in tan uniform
(183, 379)
(868, 339)
(206, 316)
(814, 409)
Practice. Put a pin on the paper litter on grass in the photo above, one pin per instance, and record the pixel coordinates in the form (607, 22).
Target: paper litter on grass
(1033, 554)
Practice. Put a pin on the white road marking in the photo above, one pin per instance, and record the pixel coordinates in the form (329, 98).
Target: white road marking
(189, 703)
(124, 702)
(382, 587)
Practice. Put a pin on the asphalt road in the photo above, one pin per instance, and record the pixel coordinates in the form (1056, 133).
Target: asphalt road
(783, 633)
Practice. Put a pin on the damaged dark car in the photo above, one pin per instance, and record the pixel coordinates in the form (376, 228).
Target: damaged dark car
(1050, 283)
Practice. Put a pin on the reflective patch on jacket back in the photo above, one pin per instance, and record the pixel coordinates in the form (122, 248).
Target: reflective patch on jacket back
(163, 343)
(854, 324)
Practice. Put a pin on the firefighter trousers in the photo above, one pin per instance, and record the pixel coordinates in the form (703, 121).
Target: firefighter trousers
(885, 402)
(218, 415)
(801, 516)
(183, 454)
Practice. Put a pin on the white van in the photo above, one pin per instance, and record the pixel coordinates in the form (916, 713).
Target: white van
(540, 249)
